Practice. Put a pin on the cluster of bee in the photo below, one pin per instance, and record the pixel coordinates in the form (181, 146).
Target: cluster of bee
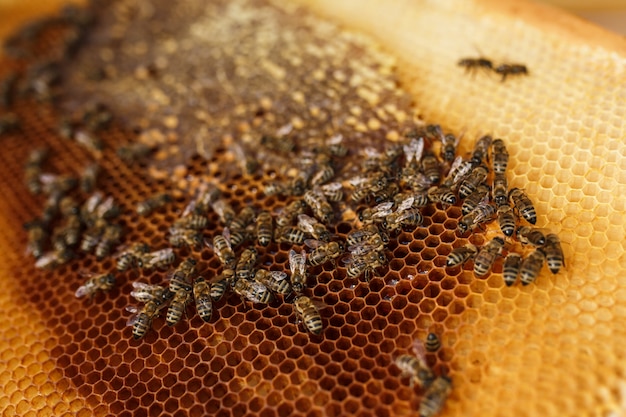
(506, 69)
(415, 367)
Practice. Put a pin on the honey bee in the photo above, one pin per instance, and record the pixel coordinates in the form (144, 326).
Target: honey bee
(192, 221)
(202, 297)
(511, 268)
(308, 313)
(500, 156)
(376, 213)
(531, 266)
(431, 167)
(500, 191)
(222, 283)
(413, 151)
(483, 213)
(335, 147)
(68, 206)
(473, 180)
(224, 251)
(290, 212)
(449, 144)
(435, 397)
(459, 170)
(366, 185)
(253, 291)
(102, 282)
(178, 305)
(366, 263)
(182, 275)
(460, 255)
(323, 252)
(135, 151)
(89, 141)
(412, 178)
(442, 194)
(131, 257)
(281, 144)
(433, 343)
(415, 366)
(206, 195)
(142, 319)
(333, 191)
(89, 177)
(92, 236)
(149, 205)
(158, 259)
(276, 188)
(110, 237)
(530, 235)
(264, 228)
(57, 185)
(481, 148)
(290, 234)
(386, 193)
(324, 170)
(145, 292)
(523, 205)
(243, 219)
(401, 218)
(487, 256)
(472, 200)
(511, 69)
(89, 207)
(472, 64)
(368, 238)
(245, 265)
(554, 253)
(71, 230)
(37, 236)
(224, 211)
(297, 265)
(314, 228)
(419, 199)
(274, 280)
(316, 199)
(506, 220)
(54, 258)
(185, 237)
(107, 209)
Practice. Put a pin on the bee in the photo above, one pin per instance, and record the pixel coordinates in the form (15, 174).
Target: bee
(364, 186)
(316, 199)
(245, 160)
(413, 151)
(401, 218)
(276, 188)
(366, 263)
(297, 265)
(145, 292)
(253, 291)
(178, 305)
(311, 226)
(110, 237)
(472, 64)
(500, 191)
(130, 257)
(237, 237)
(472, 200)
(511, 69)
(102, 282)
(92, 236)
(483, 213)
(500, 156)
(224, 211)
(185, 237)
(473, 180)
(530, 235)
(50, 209)
(290, 212)
(290, 234)
(324, 170)
(158, 259)
(308, 313)
(419, 199)
(335, 147)
(554, 253)
(480, 150)
(54, 258)
(68, 206)
(107, 209)
(149, 205)
(433, 343)
(274, 280)
(282, 144)
(412, 178)
(387, 193)
(523, 205)
(88, 140)
(323, 252)
(222, 283)
(245, 265)
(487, 256)
(448, 147)
(460, 255)
(193, 221)
(506, 220)
(71, 230)
(369, 236)
(333, 191)
(57, 185)
(442, 194)
(376, 213)
(89, 207)
(459, 170)
(206, 195)
(132, 152)
(435, 397)
(243, 219)
(182, 275)
(529, 271)
(89, 177)
(142, 319)
(224, 251)
(202, 297)
(431, 167)
(264, 228)
(37, 236)
(415, 366)
(511, 268)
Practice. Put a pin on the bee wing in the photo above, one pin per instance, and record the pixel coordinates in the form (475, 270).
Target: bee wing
(383, 209)
(226, 234)
(312, 243)
(419, 350)
(47, 178)
(371, 152)
(356, 181)
(331, 187)
(284, 130)
(297, 262)
(278, 275)
(406, 204)
(361, 249)
(132, 319)
(46, 260)
(306, 223)
(414, 149)
(83, 290)
(454, 166)
(335, 139)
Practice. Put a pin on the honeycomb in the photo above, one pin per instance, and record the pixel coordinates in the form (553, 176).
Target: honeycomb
(505, 348)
